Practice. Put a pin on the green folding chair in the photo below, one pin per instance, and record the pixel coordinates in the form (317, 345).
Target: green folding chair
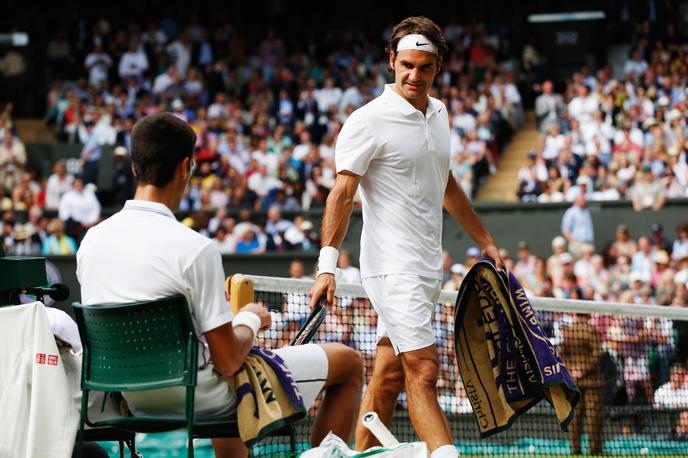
(143, 346)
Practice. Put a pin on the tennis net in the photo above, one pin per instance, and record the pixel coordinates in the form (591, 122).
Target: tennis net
(627, 359)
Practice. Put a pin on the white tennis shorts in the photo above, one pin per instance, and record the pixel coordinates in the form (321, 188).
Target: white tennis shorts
(405, 305)
(308, 364)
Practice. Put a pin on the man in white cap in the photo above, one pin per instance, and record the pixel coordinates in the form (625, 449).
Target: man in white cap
(395, 151)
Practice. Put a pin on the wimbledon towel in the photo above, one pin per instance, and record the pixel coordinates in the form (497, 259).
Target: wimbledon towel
(507, 363)
(267, 396)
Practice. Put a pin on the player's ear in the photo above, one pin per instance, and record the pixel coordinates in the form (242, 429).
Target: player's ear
(184, 167)
(390, 64)
(439, 65)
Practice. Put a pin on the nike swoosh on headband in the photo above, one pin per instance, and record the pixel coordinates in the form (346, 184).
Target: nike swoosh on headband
(417, 41)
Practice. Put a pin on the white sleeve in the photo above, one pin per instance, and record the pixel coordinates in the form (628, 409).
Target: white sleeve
(205, 280)
(356, 145)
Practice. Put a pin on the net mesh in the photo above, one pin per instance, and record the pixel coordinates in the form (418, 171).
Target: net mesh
(627, 360)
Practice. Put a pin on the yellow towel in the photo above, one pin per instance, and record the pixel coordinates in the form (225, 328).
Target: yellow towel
(267, 396)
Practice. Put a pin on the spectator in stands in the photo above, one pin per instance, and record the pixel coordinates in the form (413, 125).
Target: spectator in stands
(24, 242)
(350, 274)
(262, 183)
(472, 256)
(98, 64)
(328, 96)
(583, 267)
(662, 278)
(635, 66)
(122, 178)
(58, 243)
(79, 209)
(674, 393)
(647, 193)
(549, 106)
(58, 184)
(91, 152)
(530, 183)
(525, 266)
(134, 63)
(164, 81)
(553, 267)
(576, 225)
(275, 227)
(297, 270)
(225, 242)
(25, 194)
(249, 243)
(681, 429)
(679, 248)
(581, 348)
(12, 161)
(624, 245)
(583, 107)
(296, 237)
(642, 260)
(180, 52)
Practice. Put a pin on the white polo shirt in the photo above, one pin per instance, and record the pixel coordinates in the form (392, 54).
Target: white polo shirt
(144, 253)
(402, 156)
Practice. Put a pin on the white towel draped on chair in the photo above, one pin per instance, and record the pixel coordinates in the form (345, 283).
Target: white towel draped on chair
(39, 415)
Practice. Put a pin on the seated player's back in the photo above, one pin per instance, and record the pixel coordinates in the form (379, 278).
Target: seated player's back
(143, 253)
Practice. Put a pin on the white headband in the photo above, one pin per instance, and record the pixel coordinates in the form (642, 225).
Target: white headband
(416, 41)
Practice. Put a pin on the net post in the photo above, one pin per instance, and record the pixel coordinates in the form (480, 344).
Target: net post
(240, 291)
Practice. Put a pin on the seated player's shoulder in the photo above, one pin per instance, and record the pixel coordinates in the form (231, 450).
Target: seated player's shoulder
(189, 236)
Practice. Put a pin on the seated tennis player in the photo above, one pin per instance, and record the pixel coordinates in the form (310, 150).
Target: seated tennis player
(144, 253)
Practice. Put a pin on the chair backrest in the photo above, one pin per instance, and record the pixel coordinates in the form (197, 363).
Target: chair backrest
(137, 346)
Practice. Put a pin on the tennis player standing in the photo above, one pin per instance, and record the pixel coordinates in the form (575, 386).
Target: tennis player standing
(395, 150)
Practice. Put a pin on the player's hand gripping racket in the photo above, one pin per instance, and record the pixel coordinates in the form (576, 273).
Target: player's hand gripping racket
(313, 322)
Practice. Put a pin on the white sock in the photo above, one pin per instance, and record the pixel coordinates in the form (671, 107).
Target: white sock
(446, 451)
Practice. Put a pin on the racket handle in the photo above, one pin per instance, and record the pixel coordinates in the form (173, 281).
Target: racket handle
(379, 430)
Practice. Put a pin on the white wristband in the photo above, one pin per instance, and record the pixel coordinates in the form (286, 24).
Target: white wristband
(327, 261)
(248, 319)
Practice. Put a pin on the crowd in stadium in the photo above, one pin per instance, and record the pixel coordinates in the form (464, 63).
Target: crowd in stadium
(266, 116)
(614, 136)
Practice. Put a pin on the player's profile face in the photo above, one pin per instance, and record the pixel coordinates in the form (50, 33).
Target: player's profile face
(414, 72)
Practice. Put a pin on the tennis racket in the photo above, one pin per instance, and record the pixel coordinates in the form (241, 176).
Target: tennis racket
(313, 322)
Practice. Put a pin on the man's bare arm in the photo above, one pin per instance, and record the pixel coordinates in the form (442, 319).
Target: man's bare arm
(340, 202)
(230, 345)
(458, 205)
(335, 224)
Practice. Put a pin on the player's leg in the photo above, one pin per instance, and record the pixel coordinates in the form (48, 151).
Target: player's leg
(229, 448)
(576, 425)
(406, 305)
(594, 417)
(384, 387)
(338, 370)
(342, 397)
(421, 369)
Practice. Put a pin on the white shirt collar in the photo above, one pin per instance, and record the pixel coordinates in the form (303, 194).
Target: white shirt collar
(393, 98)
(149, 206)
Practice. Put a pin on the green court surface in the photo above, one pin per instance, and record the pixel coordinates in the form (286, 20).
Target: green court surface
(173, 444)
